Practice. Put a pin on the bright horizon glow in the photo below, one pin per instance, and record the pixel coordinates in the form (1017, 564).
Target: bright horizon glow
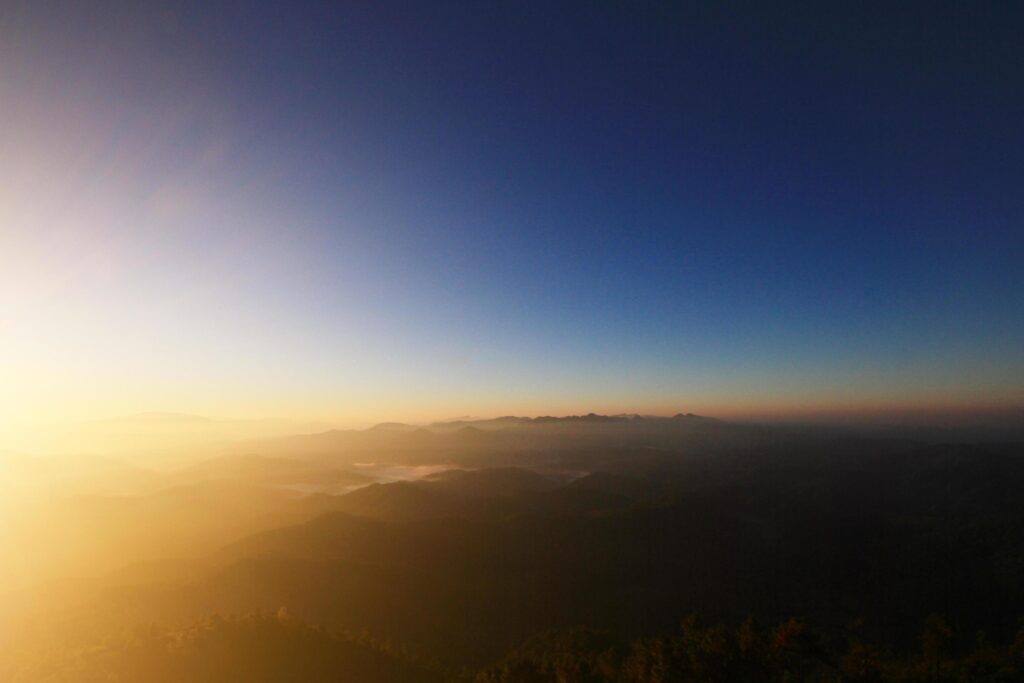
(188, 226)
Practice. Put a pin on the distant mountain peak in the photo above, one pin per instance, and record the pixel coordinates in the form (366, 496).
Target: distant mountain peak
(392, 427)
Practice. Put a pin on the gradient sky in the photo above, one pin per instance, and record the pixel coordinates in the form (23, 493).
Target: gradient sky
(362, 211)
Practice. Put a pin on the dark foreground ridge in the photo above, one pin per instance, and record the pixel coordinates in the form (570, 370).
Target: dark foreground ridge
(275, 649)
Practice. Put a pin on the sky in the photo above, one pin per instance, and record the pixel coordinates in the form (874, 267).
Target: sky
(368, 211)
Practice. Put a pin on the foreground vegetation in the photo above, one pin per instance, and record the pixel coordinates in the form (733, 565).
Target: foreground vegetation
(277, 648)
(792, 651)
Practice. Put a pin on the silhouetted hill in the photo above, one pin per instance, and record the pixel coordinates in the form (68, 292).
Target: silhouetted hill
(400, 501)
(98, 534)
(629, 488)
(623, 526)
(828, 537)
(272, 649)
(489, 482)
(268, 470)
(25, 477)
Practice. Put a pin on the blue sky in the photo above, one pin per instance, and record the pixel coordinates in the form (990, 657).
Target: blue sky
(403, 210)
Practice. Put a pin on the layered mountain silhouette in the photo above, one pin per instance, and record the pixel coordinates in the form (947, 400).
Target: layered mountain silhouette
(461, 545)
